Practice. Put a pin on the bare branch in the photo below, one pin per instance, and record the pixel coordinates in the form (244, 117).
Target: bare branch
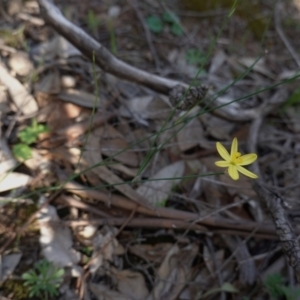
(109, 63)
(103, 57)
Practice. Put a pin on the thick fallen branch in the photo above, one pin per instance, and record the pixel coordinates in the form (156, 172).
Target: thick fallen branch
(109, 63)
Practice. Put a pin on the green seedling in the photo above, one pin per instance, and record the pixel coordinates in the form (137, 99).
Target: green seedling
(93, 21)
(226, 287)
(155, 24)
(195, 57)
(44, 280)
(28, 136)
(276, 288)
(173, 20)
(22, 151)
(293, 100)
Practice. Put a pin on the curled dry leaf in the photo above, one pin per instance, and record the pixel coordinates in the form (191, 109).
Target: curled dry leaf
(157, 191)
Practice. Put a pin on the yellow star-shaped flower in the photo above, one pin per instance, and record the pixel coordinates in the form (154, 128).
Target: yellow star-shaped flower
(235, 160)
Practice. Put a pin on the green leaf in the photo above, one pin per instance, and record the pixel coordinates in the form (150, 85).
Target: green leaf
(92, 21)
(155, 24)
(161, 203)
(30, 134)
(294, 99)
(195, 57)
(27, 136)
(170, 17)
(226, 287)
(291, 293)
(176, 29)
(274, 284)
(22, 151)
(229, 288)
(46, 279)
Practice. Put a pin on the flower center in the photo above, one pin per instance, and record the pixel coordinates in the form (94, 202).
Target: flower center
(236, 158)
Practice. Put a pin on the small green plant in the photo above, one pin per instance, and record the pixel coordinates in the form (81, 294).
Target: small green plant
(156, 23)
(28, 136)
(293, 100)
(174, 22)
(276, 288)
(195, 57)
(44, 280)
(93, 21)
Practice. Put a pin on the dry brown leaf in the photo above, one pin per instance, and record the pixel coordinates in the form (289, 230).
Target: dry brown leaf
(103, 292)
(213, 260)
(4, 105)
(216, 127)
(112, 142)
(131, 284)
(217, 61)
(20, 63)
(153, 253)
(174, 272)
(144, 108)
(83, 99)
(20, 96)
(157, 191)
(49, 84)
(58, 47)
(256, 65)
(13, 180)
(105, 247)
(131, 172)
(190, 135)
(92, 157)
(8, 264)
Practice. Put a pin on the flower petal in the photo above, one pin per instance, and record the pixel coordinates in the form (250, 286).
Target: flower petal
(223, 152)
(248, 159)
(233, 173)
(246, 172)
(234, 147)
(222, 163)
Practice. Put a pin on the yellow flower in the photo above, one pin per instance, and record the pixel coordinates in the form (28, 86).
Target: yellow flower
(235, 160)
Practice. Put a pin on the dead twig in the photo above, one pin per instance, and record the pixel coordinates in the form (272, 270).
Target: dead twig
(214, 222)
